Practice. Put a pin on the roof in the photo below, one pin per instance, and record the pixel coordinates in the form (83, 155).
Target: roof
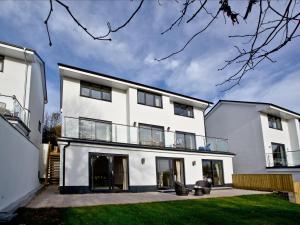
(132, 82)
(39, 57)
(254, 103)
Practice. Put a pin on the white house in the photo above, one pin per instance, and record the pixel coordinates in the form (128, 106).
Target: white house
(265, 137)
(23, 96)
(120, 135)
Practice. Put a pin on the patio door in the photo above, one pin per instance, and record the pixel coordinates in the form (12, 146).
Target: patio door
(213, 169)
(108, 172)
(169, 170)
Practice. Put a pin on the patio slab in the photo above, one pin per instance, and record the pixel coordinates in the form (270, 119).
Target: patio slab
(50, 197)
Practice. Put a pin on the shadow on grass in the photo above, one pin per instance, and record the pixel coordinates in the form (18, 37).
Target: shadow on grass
(255, 209)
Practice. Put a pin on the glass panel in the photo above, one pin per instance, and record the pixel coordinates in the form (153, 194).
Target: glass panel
(141, 97)
(101, 175)
(180, 142)
(207, 170)
(149, 99)
(85, 91)
(158, 101)
(279, 155)
(145, 135)
(106, 95)
(190, 142)
(95, 93)
(157, 136)
(87, 129)
(103, 131)
(217, 173)
(164, 174)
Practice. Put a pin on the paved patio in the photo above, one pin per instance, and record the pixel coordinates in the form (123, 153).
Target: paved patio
(50, 197)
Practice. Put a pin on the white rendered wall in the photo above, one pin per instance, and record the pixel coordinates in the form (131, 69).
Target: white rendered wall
(19, 165)
(241, 125)
(76, 174)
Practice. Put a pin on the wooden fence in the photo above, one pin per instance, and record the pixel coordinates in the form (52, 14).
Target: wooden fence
(264, 182)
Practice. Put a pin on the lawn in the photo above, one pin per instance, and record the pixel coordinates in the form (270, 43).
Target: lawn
(252, 209)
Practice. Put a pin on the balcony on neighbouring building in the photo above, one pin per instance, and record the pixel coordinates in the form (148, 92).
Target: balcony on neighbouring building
(12, 110)
(283, 159)
(142, 135)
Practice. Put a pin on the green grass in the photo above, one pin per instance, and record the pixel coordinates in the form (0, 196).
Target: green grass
(253, 209)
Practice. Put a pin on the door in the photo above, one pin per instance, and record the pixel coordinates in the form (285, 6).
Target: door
(168, 171)
(213, 169)
(108, 172)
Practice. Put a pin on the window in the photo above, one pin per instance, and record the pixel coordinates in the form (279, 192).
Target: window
(1, 63)
(150, 99)
(151, 135)
(95, 129)
(274, 122)
(40, 126)
(95, 91)
(183, 110)
(185, 140)
(279, 155)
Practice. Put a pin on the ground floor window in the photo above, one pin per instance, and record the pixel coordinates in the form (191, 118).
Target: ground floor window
(213, 169)
(279, 154)
(169, 170)
(108, 172)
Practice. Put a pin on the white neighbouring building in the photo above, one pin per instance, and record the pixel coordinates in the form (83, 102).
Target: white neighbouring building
(23, 96)
(265, 137)
(120, 135)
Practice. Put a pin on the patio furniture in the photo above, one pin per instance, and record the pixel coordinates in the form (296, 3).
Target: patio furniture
(180, 189)
(199, 191)
(203, 185)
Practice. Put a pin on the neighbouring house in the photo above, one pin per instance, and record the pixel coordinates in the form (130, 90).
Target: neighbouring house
(23, 96)
(119, 135)
(265, 137)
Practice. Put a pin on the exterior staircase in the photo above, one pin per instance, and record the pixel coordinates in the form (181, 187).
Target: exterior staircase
(52, 168)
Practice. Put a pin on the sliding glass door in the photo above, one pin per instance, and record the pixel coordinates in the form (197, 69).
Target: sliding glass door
(168, 171)
(213, 169)
(108, 172)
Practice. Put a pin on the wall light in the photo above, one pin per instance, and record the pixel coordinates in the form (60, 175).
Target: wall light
(134, 124)
(168, 129)
(143, 161)
(194, 163)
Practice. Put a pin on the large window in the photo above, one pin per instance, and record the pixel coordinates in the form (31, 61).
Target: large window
(151, 135)
(150, 99)
(1, 63)
(95, 129)
(274, 122)
(185, 140)
(183, 110)
(95, 91)
(279, 155)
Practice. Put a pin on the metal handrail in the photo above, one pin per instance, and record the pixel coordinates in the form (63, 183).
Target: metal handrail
(289, 158)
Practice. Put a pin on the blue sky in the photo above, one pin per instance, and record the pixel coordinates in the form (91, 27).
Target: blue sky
(131, 53)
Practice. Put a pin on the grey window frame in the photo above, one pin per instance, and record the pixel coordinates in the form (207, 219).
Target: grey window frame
(2, 57)
(145, 102)
(277, 122)
(91, 86)
(186, 106)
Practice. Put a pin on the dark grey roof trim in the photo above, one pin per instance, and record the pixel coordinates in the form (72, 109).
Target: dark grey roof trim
(249, 102)
(131, 82)
(94, 142)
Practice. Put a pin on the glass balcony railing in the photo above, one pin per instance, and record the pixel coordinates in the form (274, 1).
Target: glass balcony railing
(283, 159)
(144, 135)
(10, 107)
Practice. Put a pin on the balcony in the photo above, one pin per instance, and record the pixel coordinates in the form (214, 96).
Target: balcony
(12, 110)
(154, 137)
(284, 159)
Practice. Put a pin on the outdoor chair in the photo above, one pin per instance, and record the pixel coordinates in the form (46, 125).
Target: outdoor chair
(180, 189)
(202, 185)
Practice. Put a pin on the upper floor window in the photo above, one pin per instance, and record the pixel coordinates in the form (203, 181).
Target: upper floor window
(274, 122)
(95, 129)
(150, 99)
(1, 63)
(95, 91)
(151, 135)
(183, 110)
(185, 140)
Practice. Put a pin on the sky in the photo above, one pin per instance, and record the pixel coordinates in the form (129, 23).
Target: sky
(130, 54)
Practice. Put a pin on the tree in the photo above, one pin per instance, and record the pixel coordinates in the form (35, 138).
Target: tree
(274, 29)
(52, 128)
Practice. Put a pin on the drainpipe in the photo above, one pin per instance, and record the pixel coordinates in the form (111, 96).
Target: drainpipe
(64, 164)
(26, 75)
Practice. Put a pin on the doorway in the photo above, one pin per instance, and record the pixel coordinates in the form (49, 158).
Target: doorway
(213, 169)
(108, 172)
(169, 170)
